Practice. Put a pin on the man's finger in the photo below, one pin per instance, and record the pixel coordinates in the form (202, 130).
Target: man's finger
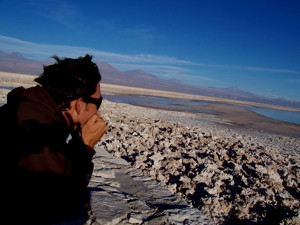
(93, 119)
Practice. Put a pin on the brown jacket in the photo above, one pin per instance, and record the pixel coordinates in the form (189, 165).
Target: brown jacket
(46, 176)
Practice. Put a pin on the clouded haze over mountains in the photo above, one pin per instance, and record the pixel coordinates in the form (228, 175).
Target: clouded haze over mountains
(16, 63)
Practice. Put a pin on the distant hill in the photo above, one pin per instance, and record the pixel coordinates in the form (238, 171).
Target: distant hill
(14, 62)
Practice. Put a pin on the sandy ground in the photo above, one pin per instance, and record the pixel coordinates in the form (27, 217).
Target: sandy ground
(246, 119)
(236, 118)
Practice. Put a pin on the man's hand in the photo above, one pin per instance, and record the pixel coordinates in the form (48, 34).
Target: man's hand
(93, 130)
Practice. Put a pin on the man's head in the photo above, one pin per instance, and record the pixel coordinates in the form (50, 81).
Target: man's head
(69, 79)
(74, 86)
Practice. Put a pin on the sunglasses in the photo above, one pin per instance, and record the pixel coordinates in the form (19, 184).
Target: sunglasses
(96, 101)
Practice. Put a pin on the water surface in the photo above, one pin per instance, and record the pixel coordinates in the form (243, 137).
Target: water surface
(283, 115)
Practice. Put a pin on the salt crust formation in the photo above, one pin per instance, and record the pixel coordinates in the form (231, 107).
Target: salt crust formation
(230, 176)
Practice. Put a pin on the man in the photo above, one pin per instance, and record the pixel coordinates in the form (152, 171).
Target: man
(48, 133)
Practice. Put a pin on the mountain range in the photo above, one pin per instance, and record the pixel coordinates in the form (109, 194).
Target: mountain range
(15, 62)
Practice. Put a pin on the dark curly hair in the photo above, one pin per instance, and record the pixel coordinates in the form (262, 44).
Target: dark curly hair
(68, 79)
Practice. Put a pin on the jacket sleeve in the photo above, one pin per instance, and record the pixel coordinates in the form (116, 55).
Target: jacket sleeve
(80, 161)
(51, 174)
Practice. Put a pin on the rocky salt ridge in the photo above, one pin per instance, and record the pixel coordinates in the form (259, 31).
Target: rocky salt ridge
(231, 176)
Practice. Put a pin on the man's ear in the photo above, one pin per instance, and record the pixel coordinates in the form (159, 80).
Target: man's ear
(78, 105)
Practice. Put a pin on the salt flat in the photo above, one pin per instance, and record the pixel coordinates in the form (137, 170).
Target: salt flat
(15, 79)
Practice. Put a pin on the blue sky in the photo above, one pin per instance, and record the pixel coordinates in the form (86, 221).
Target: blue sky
(253, 45)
